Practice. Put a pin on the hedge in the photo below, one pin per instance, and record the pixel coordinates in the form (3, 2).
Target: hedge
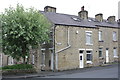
(18, 66)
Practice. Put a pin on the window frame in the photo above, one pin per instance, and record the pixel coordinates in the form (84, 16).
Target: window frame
(10, 60)
(89, 61)
(43, 57)
(33, 59)
(114, 36)
(101, 49)
(115, 54)
(100, 35)
(89, 35)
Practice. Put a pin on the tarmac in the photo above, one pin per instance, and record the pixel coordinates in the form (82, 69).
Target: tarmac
(56, 73)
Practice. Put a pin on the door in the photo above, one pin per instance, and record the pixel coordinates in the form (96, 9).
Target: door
(107, 55)
(81, 59)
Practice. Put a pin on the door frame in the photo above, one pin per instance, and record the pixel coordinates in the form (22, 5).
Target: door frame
(107, 55)
(81, 54)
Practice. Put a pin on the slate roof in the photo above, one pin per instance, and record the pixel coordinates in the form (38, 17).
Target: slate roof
(73, 20)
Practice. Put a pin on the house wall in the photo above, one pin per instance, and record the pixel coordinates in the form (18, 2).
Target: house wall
(69, 58)
(107, 37)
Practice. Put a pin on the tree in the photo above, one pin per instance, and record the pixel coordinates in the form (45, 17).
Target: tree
(22, 28)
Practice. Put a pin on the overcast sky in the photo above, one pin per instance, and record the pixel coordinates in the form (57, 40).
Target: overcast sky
(107, 7)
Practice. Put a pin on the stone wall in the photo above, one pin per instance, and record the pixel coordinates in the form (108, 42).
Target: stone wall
(107, 42)
(69, 58)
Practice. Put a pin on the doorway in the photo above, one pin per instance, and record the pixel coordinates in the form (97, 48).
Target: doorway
(107, 55)
(81, 59)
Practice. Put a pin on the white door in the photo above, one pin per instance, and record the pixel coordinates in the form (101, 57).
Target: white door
(81, 59)
(107, 56)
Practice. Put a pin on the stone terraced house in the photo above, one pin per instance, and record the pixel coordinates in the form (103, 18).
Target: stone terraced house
(77, 41)
(80, 41)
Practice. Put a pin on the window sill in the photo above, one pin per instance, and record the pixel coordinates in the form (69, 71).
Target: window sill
(101, 58)
(89, 44)
(89, 62)
(115, 41)
(115, 56)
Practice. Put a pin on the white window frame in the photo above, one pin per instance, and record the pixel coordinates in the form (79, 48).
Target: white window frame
(10, 60)
(114, 36)
(90, 62)
(100, 35)
(43, 57)
(0, 59)
(33, 59)
(89, 33)
(115, 52)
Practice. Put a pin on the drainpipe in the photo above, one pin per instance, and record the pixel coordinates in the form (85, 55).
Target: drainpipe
(68, 43)
(54, 26)
(56, 53)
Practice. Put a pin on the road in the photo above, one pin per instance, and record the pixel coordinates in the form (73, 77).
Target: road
(103, 72)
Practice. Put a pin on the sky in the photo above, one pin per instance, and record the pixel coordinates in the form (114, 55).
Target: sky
(106, 7)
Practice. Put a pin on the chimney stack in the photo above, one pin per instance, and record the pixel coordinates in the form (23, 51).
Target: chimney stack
(83, 14)
(49, 9)
(99, 17)
(111, 19)
(118, 21)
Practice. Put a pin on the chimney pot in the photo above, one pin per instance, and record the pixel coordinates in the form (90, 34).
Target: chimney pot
(82, 8)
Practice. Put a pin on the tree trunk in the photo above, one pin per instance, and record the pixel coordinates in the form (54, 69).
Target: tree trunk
(24, 53)
(24, 49)
(24, 60)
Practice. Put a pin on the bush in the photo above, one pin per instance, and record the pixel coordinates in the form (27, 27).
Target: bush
(18, 66)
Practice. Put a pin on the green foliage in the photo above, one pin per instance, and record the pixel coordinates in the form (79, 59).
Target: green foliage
(22, 28)
(18, 66)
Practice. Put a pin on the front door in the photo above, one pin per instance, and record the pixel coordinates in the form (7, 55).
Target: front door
(107, 55)
(81, 59)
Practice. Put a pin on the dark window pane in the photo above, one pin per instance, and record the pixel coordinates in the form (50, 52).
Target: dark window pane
(80, 57)
(81, 51)
(100, 53)
(89, 57)
(88, 51)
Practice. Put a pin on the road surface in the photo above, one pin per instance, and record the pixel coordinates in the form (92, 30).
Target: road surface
(103, 72)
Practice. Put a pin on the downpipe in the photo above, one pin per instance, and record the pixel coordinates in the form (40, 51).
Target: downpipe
(68, 42)
(56, 53)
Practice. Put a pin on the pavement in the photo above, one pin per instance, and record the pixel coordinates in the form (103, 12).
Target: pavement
(56, 73)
